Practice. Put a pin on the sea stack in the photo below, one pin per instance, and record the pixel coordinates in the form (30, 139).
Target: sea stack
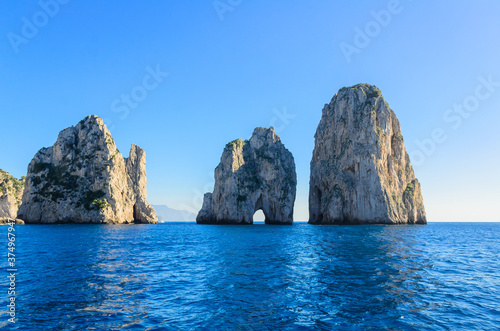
(255, 174)
(83, 178)
(360, 170)
(11, 192)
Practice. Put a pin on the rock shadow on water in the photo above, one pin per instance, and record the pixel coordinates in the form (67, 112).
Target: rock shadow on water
(248, 285)
(367, 275)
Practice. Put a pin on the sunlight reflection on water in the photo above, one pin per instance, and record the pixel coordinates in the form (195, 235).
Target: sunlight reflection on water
(185, 276)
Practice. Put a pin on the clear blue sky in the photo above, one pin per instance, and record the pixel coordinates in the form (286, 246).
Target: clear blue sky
(227, 76)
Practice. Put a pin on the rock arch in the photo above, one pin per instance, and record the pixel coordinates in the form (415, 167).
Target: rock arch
(258, 174)
(258, 212)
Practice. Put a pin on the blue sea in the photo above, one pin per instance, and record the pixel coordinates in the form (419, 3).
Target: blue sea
(183, 276)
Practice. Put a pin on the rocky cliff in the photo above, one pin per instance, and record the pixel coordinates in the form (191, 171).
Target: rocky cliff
(360, 171)
(255, 174)
(11, 192)
(83, 178)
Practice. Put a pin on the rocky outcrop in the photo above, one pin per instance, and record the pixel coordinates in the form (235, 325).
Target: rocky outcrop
(10, 220)
(83, 178)
(360, 170)
(11, 192)
(136, 170)
(255, 174)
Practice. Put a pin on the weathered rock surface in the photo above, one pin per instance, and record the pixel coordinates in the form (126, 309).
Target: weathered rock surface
(136, 170)
(4, 221)
(11, 193)
(360, 170)
(83, 178)
(258, 174)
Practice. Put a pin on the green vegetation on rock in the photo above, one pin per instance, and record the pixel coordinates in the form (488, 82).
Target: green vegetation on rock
(236, 142)
(100, 203)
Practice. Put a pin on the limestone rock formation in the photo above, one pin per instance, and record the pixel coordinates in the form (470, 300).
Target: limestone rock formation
(10, 220)
(360, 170)
(136, 170)
(11, 192)
(83, 178)
(255, 174)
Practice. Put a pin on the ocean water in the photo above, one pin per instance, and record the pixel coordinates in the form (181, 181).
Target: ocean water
(183, 276)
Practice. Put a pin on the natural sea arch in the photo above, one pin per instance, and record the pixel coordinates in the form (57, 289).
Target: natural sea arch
(259, 216)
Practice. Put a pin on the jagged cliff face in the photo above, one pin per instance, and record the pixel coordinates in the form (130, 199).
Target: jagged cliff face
(11, 192)
(360, 171)
(136, 170)
(258, 174)
(83, 178)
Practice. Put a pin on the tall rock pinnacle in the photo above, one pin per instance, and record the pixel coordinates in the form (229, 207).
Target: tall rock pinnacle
(360, 170)
(83, 178)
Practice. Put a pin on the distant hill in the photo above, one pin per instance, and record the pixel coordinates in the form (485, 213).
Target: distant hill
(167, 214)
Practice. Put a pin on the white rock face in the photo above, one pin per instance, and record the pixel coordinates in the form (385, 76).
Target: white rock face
(83, 178)
(136, 170)
(360, 170)
(258, 174)
(11, 192)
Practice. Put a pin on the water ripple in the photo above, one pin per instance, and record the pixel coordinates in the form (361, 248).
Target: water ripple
(301, 277)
